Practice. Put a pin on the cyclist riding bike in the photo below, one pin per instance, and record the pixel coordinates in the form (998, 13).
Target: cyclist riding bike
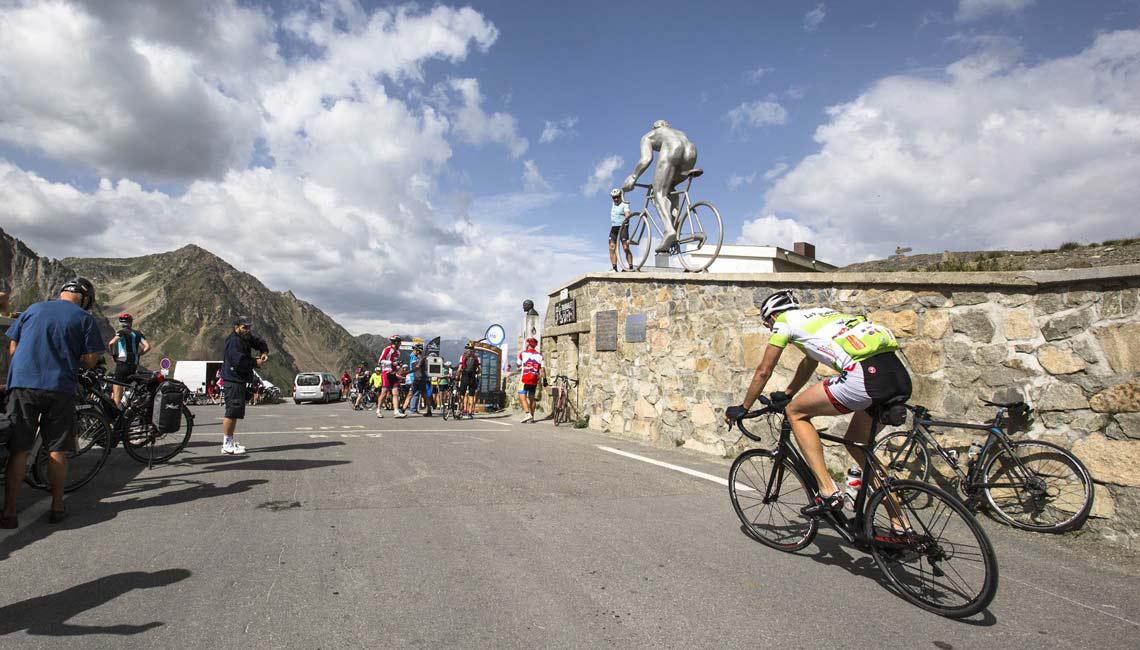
(870, 374)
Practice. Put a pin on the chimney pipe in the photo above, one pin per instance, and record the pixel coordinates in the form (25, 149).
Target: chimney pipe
(805, 249)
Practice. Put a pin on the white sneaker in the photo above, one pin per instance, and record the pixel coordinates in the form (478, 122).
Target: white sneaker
(403, 414)
(379, 414)
(525, 418)
(232, 448)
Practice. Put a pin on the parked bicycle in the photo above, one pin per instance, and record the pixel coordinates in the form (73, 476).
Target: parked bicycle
(153, 426)
(563, 411)
(699, 229)
(943, 562)
(1029, 484)
(451, 405)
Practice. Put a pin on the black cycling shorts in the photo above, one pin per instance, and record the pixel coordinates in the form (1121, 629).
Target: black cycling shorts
(234, 393)
(50, 412)
(530, 389)
(619, 232)
(123, 370)
(469, 385)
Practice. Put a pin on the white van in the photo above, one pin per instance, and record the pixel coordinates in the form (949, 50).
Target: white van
(196, 374)
(316, 387)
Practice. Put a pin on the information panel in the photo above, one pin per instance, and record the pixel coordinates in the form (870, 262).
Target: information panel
(606, 331)
(635, 328)
(565, 312)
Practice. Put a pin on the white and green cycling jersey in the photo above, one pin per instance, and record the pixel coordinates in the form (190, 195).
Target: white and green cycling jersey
(838, 340)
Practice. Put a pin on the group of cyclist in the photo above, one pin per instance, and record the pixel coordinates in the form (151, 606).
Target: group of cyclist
(405, 387)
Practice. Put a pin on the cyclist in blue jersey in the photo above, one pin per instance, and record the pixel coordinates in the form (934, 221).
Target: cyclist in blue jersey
(619, 228)
(127, 346)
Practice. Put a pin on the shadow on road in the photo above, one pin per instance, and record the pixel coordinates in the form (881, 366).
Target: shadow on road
(48, 615)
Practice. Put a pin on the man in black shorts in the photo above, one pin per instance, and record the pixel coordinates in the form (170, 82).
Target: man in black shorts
(619, 228)
(49, 343)
(469, 367)
(237, 371)
(127, 346)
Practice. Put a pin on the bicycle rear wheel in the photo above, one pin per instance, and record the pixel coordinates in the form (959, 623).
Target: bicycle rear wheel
(144, 442)
(768, 499)
(947, 566)
(1046, 489)
(640, 242)
(701, 230)
(904, 456)
(92, 438)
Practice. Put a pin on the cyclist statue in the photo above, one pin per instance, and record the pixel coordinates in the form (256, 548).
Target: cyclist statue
(870, 375)
(677, 155)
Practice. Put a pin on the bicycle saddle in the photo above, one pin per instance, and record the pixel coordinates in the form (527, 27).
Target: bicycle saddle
(695, 173)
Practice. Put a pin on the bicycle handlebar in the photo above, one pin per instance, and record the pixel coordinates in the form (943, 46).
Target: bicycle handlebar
(769, 407)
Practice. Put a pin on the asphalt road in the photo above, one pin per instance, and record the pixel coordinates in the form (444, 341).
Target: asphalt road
(339, 530)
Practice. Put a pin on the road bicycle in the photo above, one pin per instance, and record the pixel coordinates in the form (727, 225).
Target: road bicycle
(451, 401)
(563, 411)
(927, 543)
(1029, 484)
(699, 228)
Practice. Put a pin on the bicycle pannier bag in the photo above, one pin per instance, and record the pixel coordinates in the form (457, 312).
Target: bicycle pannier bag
(170, 409)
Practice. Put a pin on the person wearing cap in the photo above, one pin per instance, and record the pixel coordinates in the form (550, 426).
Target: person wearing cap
(530, 362)
(376, 385)
(48, 345)
(619, 228)
(127, 347)
(238, 363)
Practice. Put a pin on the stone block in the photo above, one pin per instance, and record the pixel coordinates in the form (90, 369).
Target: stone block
(958, 351)
(904, 324)
(1129, 424)
(703, 416)
(927, 392)
(922, 357)
(1066, 325)
(643, 409)
(935, 323)
(932, 299)
(991, 355)
(963, 376)
(1110, 461)
(974, 323)
(676, 402)
(1061, 396)
(969, 298)
(1121, 398)
(1121, 345)
(754, 345)
(1118, 304)
(1049, 303)
(1058, 361)
(1018, 325)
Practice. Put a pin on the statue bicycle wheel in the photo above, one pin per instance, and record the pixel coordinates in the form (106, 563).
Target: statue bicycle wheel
(699, 237)
(640, 241)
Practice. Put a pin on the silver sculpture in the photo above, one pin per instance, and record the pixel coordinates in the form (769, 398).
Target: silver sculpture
(677, 155)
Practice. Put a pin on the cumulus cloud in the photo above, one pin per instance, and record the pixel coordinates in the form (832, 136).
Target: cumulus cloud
(813, 18)
(755, 114)
(1011, 155)
(532, 178)
(758, 73)
(736, 181)
(770, 230)
(602, 176)
(562, 128)
(776, 171)
(181, 91)
(969, 10)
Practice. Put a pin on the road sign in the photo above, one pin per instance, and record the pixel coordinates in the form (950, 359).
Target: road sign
(495, 335)
(164, 364)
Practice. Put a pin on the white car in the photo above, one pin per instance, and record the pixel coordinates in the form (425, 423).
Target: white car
(316, 387)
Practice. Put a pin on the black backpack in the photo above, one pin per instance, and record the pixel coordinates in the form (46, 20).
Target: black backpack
(470, 364)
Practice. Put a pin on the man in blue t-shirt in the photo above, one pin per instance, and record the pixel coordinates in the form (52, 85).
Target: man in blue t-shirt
(49, 344)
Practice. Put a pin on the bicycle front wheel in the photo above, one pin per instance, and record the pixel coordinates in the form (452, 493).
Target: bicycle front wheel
(768, 497)
(92, 447)
(640, 241)
(699, 237)
(904, 456)
(947, 565)
(1044, 489)
(144, 442)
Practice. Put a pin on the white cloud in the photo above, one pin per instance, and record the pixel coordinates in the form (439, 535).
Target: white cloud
(796, 92)
(969, 10)
(757, 74)
(475, 126)
(776, 171)
(755, 114)
(1020, 156)
(736, 181)
(532, 178)
(182, 90)
(771, 230)
(813, 18)
(602, 176)
(562, 128)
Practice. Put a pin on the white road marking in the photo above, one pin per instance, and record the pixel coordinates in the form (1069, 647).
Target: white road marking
(1075, 602)
(265, 433)
(352, 426)
(374, 435)
(327, 428)
(313, 435)
(304, 428)
(677, 468)
(502, 424)
(349, 435)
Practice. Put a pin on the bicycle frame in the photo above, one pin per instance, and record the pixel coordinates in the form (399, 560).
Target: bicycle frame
(683, 207)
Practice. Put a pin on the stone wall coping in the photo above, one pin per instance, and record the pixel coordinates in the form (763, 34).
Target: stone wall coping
(579, 327)
(1025, 280)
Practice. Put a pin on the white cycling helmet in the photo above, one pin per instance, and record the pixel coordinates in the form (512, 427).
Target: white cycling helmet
(615, 193)
(779, 301)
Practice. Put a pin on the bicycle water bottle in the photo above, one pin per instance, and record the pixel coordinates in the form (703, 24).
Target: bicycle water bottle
(854, 482)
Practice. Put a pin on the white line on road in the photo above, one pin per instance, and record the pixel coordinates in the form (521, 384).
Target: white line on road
(1075, 602)
(676, 468)
(464, 430)
(352, 426)
(304, 428)
(317, 435)
(374, 435)
(349, 435)
(502, 424)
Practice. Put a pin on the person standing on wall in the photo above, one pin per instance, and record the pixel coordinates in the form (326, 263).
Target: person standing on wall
(238, 363)
(530, 363)
(619, 228)
(48, 345)
(127, 346)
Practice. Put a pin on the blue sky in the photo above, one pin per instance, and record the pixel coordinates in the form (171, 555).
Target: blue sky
(425, 167)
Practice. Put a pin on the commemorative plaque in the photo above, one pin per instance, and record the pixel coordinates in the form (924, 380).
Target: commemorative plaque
(635, 328)
(565, 312)
(606, 331)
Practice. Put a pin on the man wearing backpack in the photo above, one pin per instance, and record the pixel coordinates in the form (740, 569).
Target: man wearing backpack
(126, 346)
(469, 367)
(530, 362)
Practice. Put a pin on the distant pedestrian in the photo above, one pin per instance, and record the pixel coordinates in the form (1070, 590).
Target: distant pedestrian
(469, 367)
(389, 363)
(48, 345)
(238, 363)
(421, 386)
(127, 347)
(530, 361)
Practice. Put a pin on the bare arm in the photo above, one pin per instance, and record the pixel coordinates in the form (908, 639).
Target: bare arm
(762, 375)
(89, 361)
(145, 347)
(11, 349)
(803, 374)
(642, 163)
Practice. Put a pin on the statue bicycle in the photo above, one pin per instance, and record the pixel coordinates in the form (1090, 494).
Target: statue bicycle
(699, 230)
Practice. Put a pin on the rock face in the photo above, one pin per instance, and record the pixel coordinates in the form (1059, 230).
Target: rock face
(1066, 344)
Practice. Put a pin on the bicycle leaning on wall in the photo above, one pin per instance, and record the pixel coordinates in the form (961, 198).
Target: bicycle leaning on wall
(699, 228)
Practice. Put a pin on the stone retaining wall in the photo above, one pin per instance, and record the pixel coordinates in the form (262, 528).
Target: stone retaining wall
(1068, 342)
